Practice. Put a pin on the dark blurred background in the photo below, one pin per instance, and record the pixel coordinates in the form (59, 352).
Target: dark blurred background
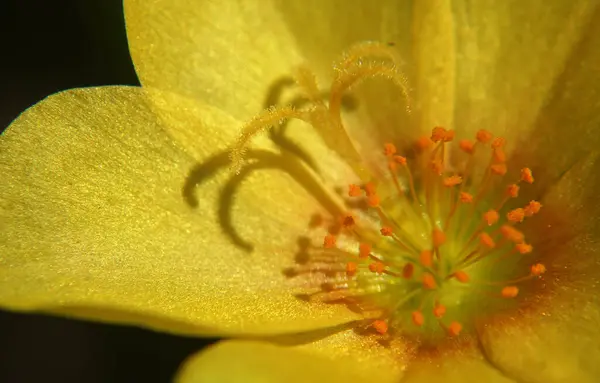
(47, 46)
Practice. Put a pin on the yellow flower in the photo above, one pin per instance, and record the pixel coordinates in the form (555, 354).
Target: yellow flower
(118, 203)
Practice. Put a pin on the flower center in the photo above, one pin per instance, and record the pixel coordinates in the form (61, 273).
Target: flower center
(428, 248)
(434, 244)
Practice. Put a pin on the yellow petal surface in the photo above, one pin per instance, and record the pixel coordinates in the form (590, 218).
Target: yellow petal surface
(510, 54)
(467, 366)
(107, 211)
(244, 361)
(559, 341)
(567, 127)
(365, 352)
(228, 53)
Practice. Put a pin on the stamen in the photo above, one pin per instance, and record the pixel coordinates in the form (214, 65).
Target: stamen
(524, 248)
(351, 268)
(417, 318)
(429, 281)
(454, 329)
(439, 310)
(386, 231)
(516, 215)
(408, 270)
(364, 250)
(377, 267)
(486, 240)
(389, 149)
(461, 276)
(483, 136)
(512, 234)
(380, 326)
(354, 190)
(532, 208)
(329, 241)
(538, 269)
(426, 258)
(527, 175)
(510, 291)
(491, 217)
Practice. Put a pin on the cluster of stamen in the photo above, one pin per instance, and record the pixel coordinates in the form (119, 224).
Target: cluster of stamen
(426, 228)
(433, 204)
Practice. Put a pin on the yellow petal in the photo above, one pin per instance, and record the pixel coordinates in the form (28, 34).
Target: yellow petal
(464, 366)
(103, 215)
(229, 53)
(244, 361)
(510, 54)
(364, 352)
(559, 340)
(567, 127)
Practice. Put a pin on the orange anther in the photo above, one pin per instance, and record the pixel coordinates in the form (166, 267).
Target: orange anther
(423, 143)
(353, 190)
(377, 267)
(386, 231)
(389, 149)
(364, 250)
(538, 269)
(491, 217)
(526, 175)
(467, 146)
(380, 326)
(429, 281)
(449, 136)
(351, 268)
(510, 291)
(512, 234)
(454, 329)
(373, 200)
(348, 221)
(418, 318)
(516, 215)
(498, 169)
(532, 208)
(438, 237)
(486, 240)
(483, 136)
(452, 181)
(437, 167)
(466, 197)
(400, 160)
(498, 142)
(392, 165)
(370, 189)
(329, 241)
(408, 270)
(512, 190)
(439, 310)
(499, 155)
(426, 258)
(461, 276)
(438, 134)
(524, 248)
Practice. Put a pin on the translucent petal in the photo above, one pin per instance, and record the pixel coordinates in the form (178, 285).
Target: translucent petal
(244, 361)
(509, 56)
(459, 367)
(557, 340)
(228, 53)
(366, 353)
(109, 212)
